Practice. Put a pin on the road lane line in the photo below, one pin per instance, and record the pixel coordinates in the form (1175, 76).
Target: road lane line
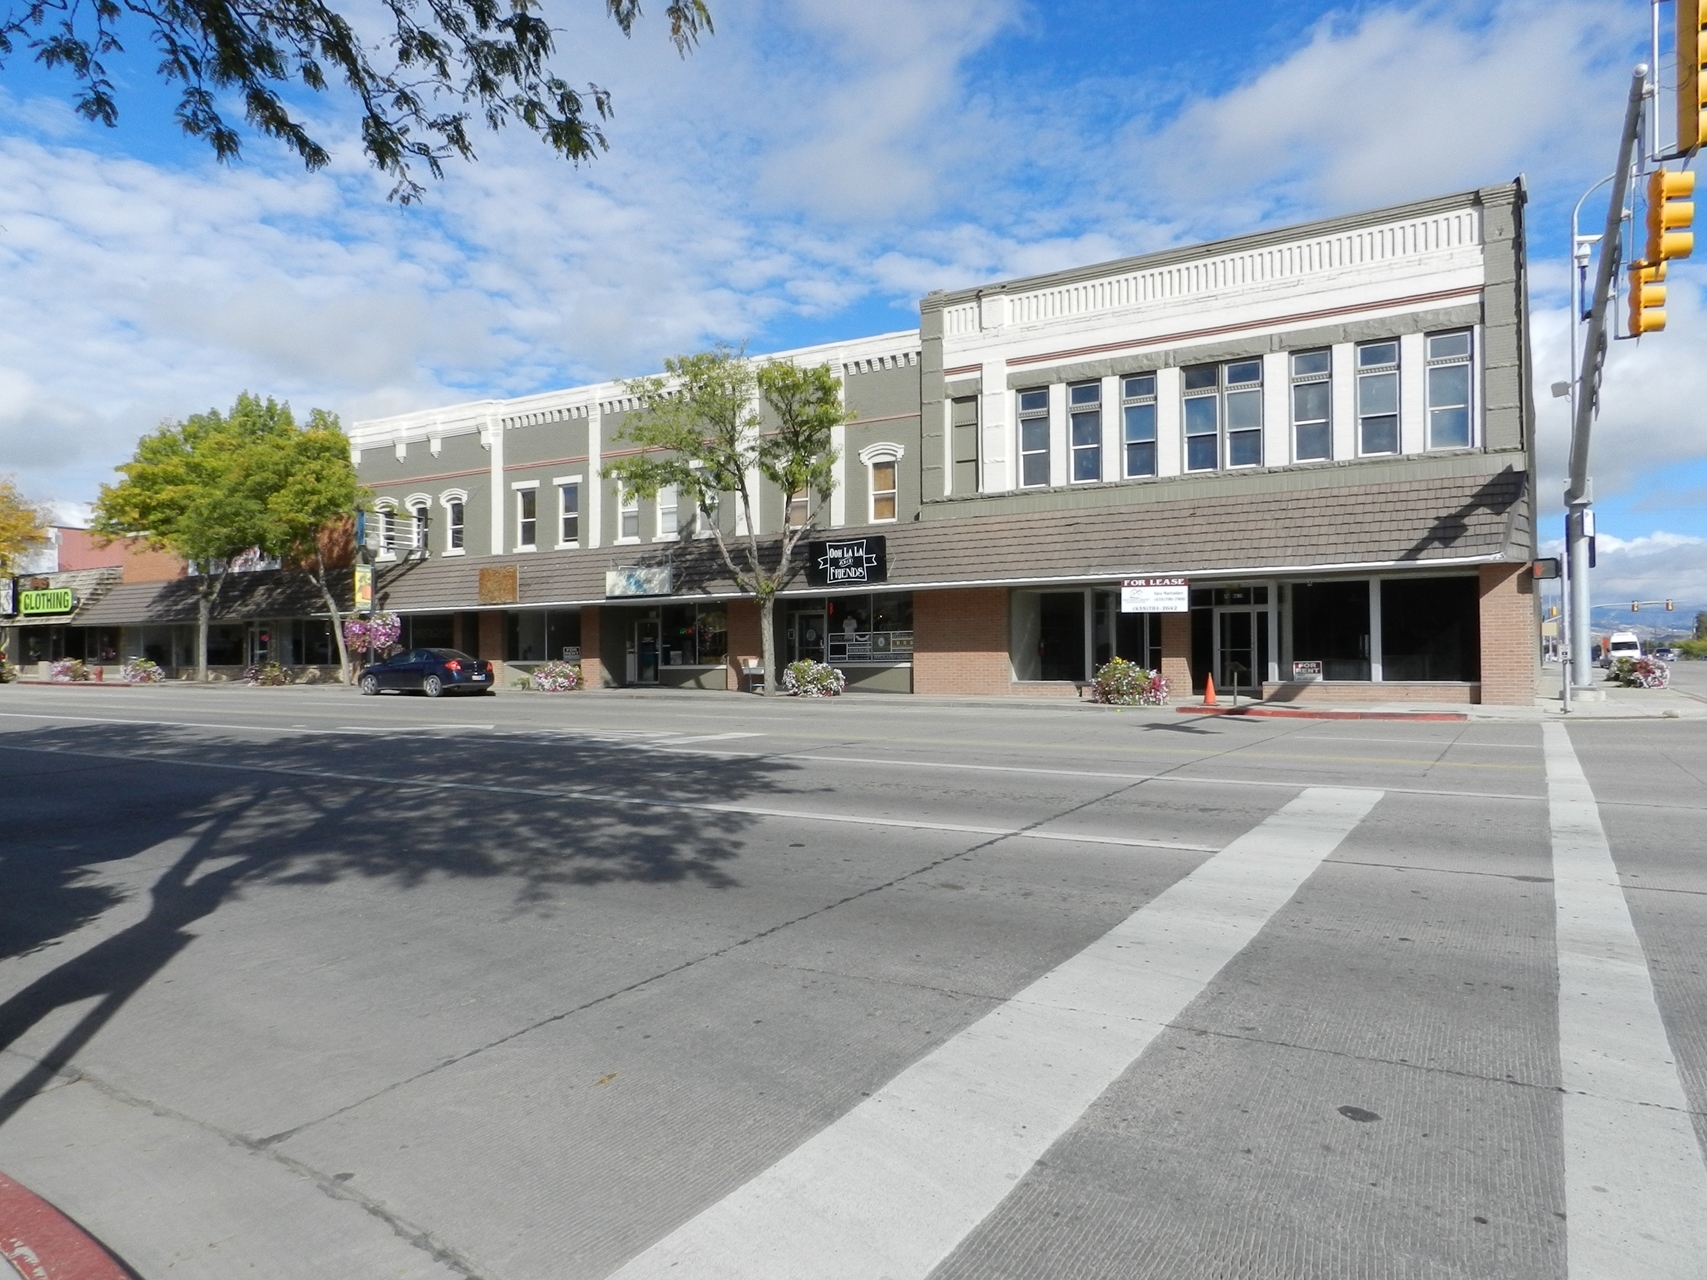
(1635, 1183)
(894, 1185)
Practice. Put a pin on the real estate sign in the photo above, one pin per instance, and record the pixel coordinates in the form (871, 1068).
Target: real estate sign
(1155, 595)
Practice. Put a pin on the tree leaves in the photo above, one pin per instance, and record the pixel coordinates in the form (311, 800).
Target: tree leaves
(444, 64)
(22, 524)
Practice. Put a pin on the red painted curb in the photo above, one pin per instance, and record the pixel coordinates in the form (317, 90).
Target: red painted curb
(1299, 713)
(41, 1243)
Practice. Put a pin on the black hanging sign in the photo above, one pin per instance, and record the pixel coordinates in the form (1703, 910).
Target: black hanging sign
(847, 562)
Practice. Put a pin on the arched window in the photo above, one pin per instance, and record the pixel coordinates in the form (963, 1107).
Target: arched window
(455, 504)
(883, 480)
(414, 533)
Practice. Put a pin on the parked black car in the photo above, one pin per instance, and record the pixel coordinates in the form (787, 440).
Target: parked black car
(432, 671)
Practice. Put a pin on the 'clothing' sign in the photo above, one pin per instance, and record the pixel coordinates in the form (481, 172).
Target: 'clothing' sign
(847, 562)
(1155, 595)
(53, 600)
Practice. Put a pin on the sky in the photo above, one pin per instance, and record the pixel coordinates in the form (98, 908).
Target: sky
(805, 176)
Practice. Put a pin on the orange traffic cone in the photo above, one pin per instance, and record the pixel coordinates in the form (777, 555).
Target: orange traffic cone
(1209, 691)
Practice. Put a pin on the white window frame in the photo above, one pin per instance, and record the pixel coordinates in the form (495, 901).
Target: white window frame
(668, 514)
(1251, 392)
(446, 500)
(1296, 380)
(627, 504)
(870, 456)
(1021, 417)
(1361, 372)
(418, 505)
(1430, 364)
(1134, 397)
(519, 487)
(1189, 396)
(1087, 408)
(385, 512)
(560, 483)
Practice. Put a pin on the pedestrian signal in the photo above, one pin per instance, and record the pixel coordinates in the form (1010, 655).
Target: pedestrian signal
(1671, 213)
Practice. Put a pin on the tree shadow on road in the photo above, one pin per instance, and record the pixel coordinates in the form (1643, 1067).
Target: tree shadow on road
(208, 817)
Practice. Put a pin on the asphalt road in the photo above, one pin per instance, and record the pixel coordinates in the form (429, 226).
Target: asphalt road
(295, 983)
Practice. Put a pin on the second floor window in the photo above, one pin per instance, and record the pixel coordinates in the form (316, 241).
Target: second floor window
(527, 517)
(417, 534)
(1084, 418)
(883, 490)
(1138, 423)
(1223, 400)
(569, 513)
(799, 506)
(1312, 435)
(667, 526)
(453, 524)
(1034, 437)
(1378, 397)
(1449, 390)
(628, 515)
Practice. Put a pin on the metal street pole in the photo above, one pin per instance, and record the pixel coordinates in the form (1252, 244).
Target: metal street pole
(1579, 490)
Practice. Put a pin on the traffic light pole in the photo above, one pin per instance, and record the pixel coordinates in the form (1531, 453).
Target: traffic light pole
(1585, 398)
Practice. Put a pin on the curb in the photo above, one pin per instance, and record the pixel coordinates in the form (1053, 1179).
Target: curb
(41, 1243)
(1326, 713)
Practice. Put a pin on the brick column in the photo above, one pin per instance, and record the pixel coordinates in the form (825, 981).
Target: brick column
(1510, 633)
(1176, 655)
(960, 641)
(592, 647)
(491, 643)
(746, 644)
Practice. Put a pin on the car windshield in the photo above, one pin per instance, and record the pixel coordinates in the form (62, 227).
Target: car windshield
(449, 654)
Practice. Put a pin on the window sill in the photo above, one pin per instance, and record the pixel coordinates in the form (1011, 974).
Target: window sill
(567, 546)
(454, 551)
(626, 542)
(522, 550)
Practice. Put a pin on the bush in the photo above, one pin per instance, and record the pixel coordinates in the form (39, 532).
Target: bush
(1696, 649)
(270, 675)
(1640, 673)
(141, 671)
(807, 679)
(1127, 684)
(8, 672)
(555, 677)
(67, 670)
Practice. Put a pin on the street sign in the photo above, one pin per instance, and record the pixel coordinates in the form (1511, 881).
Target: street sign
(1155, 595)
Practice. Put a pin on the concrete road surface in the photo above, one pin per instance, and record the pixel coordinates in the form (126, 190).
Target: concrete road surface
(295, 983)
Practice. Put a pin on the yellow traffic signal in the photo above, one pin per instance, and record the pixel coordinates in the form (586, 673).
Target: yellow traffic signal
(1670, 215)
(1647, 298)
(1635, 606)
(1668, 606)
(1691, 80)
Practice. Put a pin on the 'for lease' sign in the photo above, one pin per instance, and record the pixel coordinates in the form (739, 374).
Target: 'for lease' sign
(1155, 595)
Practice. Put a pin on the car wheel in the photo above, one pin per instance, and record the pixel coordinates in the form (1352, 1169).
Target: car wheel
(432, 686)
(370, 685)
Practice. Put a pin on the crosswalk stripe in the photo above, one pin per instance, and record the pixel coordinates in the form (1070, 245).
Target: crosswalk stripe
(1635, 1184)
(890, 1188)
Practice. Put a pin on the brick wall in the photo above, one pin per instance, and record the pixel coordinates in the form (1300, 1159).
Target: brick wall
(1510, 634)
(745, 642)
(960, 641)
(592, 649)
(1365, 692)
(79, 549)
(1176, 655)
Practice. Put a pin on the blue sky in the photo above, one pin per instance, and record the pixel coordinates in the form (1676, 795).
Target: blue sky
(805, 176)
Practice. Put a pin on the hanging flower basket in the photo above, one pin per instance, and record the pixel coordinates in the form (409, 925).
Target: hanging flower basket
(1126, 684)
(380, 633)
(807, 679)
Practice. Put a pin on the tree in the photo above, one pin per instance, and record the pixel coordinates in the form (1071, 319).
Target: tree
(700, 425)
(1701, 626)
(310, 489)
(443, 65)
(193, 489)
(22, 524)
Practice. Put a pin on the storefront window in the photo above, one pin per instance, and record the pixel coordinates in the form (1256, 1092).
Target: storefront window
(563, 632)
(1430, 629)
(869, 628)
(1330, 625)
(694, 635)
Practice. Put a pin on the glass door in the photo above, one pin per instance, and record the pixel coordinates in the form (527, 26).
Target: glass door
(806, 636)
(646, 651)
(1241, 649)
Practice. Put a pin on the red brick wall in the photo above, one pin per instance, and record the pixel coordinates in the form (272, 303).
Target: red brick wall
(79, 549)
(592, 648)
(1510, 634)
(746, 644)
(960, 641)
(1176, 655)
(491, 639)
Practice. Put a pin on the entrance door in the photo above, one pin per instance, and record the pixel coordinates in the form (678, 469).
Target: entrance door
(806, 637)
(1241, 648)
(646, 651)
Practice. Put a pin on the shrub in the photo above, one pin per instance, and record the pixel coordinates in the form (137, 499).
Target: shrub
(67, 670)
(141, 671)
(270, 674)
(1127, 684)
(1640, 673)
(555, 677)
(808, 679)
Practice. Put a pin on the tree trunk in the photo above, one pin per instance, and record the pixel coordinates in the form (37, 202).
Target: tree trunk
(767, 640)
(204, 612)
(337, 625)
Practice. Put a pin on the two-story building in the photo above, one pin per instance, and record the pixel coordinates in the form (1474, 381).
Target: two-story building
(1325, 431)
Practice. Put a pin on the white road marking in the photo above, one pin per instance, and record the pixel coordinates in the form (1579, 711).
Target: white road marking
(894, 1185)
(1635, 1184)
(709, 737)
(295, 730)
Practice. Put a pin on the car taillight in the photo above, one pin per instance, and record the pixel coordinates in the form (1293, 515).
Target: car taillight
(453, 665)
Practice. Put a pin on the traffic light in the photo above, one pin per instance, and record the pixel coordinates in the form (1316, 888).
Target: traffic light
(1668, 606)
(1647, 298)
(1635, 606)
(1691, 82)
(1671, 212)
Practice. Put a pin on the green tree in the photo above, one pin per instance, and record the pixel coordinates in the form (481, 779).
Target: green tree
(1701, 626)
(310, 490)
(193, 489)
(700, 426)
(440, 66)
(22, 524)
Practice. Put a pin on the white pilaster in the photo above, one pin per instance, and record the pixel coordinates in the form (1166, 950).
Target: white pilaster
(1413, 360)
(839, 445)
(1344, 400)
(1059, 463)
(1276, 410)
(492, 436)
(1169, 446)
(595, 482)
(1112, 465)
(995, 422)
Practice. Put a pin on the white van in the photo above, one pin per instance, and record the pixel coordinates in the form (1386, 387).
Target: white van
(1621, 644)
